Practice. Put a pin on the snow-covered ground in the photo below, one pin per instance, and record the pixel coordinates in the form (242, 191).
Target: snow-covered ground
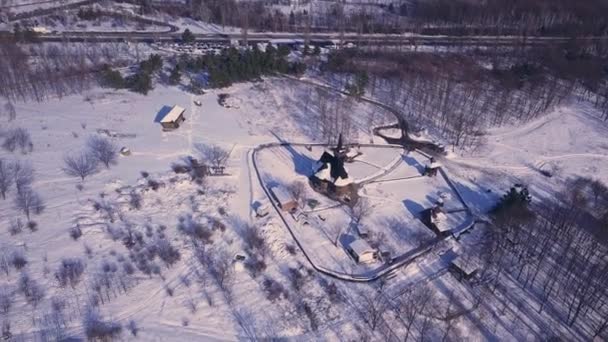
(177, 304)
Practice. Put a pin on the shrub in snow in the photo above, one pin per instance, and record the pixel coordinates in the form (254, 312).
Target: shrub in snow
(15, 226)
(297, 279)
(274, 290)
(133, 328)
(96, 328)
(135, 200)
(153, 184)
(194, 229)
(103, 150)
(18, 260)
(32, 226)
(312, 316)
(31, 290)
(70, 272)
(6, 300)
(18, 138)
(166, 252)
(6, 330)
(254, 242)
(80, 165)
(128, 268)
(75, 233)
(9, 108)
(255, 266)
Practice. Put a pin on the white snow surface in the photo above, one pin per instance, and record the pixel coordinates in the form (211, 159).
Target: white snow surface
(570, 141)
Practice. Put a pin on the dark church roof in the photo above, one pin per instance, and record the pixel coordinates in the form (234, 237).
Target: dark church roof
(336, 165)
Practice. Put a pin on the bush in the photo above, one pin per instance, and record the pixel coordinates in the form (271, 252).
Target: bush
(97, 329)
(255, 266)
(141, 82)
(6, 300)
(75, 233)
(18, 138)
(15, 226)
(188, 36)
(112, 79)
(274, 290)
(31, 290)
(18, 260)
(70, 271)
(166, 252)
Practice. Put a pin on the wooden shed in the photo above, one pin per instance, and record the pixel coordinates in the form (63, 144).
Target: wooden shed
(284, 199)
(171, 117)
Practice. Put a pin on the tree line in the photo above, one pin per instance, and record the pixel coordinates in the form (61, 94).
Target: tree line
(556, 250)
(458, 96)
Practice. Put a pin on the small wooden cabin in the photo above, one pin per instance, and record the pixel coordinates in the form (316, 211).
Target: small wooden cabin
(172, 118)
(284, 199)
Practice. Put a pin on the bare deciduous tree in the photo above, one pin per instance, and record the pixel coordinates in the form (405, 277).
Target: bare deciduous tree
(6, 177)
(31, 290)
(10, 111)
(6, 299)
(103, 150)
(298, 192)
(18, 138)
(373, 307)
(23, 175)
(214, 154)
(70, 272)
(29, 202)
(361, 210)
(80, 165)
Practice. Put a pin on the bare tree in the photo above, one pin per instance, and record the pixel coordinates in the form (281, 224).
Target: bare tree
(221, 270)
(18, 138)
(80, 165)
(361, 210)
(10, 111)
(29, 202)
(31, 290)
(373, 307)
(70, 272)
(23, 175)
(103, 150)
(6, 299)
(214, 154)
(298, 192)
(6, 177)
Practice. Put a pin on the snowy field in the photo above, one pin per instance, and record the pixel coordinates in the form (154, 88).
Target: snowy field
(173, 301)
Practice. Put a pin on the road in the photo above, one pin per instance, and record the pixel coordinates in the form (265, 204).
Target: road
(316, 38)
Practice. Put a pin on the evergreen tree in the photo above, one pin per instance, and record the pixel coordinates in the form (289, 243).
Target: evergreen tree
(140, 82)
(112, 78)
(188, 36)
(514, 205)
(176, 75)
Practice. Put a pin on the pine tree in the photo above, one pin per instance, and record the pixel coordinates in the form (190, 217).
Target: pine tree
(188, 36)
(176, 75)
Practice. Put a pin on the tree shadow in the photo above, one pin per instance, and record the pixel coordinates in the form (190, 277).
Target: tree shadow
(413, 162)
(413, 207)
(302, 163)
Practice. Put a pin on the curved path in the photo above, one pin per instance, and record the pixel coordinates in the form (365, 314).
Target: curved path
(405, 141)
(368, 276)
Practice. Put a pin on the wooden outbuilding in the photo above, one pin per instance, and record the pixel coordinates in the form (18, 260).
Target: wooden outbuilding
(171, 118)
